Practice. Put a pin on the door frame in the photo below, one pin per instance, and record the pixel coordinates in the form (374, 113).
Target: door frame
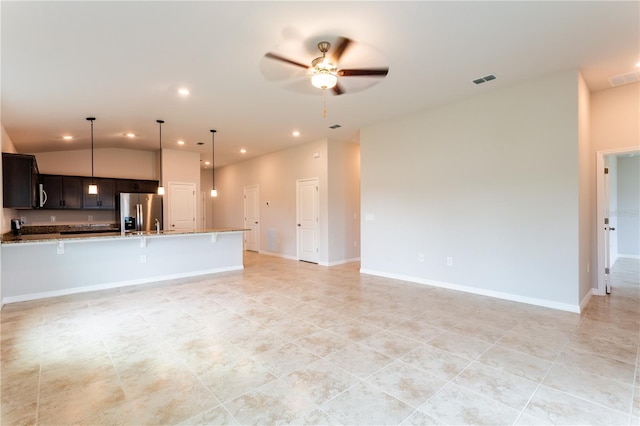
(602, 197)
(257, 225)
(167, 200)
(317, 228)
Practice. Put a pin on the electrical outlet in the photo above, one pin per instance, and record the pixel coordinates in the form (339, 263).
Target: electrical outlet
(90, 218)
(449, 261)
(53, 218)
(143, 258)
(421, 257)
(23, 219)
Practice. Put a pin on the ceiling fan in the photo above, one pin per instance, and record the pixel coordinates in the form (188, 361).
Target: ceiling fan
(324, 69)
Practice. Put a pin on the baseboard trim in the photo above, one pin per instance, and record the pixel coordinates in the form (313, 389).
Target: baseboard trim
(107, 286)
(340, 262)
(585, 300)
(479, 291)
(628, 256)
(274, 254)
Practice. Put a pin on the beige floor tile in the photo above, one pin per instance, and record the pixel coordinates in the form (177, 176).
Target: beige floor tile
(323, 343)
(390, 344)
(457, 405)
(598, 365)
(510, 390)
(591, 387)
(460, 344)
(359, 360)
(408, 384)
(181, 351)
(214, 416)
(320, 381)
(517, 363)
(557, 407)
(364, 404)
(273, 403)
(436, 361)
(419, 418)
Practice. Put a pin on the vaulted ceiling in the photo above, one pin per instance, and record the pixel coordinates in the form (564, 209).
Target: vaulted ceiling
(123, 62)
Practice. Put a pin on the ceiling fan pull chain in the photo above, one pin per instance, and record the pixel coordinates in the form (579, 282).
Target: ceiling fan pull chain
(324, 103)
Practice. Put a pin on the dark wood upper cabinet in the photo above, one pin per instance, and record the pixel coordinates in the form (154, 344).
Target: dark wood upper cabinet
(62, 192)
(137, 186)
(20, 181)
(105, 198)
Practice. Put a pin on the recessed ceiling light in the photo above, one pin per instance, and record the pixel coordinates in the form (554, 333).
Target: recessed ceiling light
(131, 135)
(183, 91)
(638, 65)
(296, 133)
(243, 151)
(67, 137)
(206, 163)
(180, 142)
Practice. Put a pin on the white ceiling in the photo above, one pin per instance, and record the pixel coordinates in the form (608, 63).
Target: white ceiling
(123, 62)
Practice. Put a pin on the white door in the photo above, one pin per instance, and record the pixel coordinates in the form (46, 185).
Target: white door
(252, 218)
(308, 211)
(182, 206)
(606, 229)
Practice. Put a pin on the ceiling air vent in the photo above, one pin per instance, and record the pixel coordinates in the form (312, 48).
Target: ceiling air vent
(335, 126)
(484, 79)
(627, 78)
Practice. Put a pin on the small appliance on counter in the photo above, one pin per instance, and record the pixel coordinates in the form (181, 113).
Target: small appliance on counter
(16, 226)
(140, 213)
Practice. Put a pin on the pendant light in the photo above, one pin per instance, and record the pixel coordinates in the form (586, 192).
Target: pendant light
(160, 187)
(214, 193)
(93, 188)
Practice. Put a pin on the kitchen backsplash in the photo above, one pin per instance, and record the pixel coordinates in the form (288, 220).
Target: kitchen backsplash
(65, 217)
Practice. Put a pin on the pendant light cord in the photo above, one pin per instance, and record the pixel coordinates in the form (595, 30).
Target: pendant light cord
(91, 121)
(160, 125)
(213, 159)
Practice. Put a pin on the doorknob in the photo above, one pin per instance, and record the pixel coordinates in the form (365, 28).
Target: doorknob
(298, 224)
(256, 223)
(612, 228)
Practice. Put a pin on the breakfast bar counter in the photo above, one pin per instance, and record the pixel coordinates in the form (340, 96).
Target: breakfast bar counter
(47, 265)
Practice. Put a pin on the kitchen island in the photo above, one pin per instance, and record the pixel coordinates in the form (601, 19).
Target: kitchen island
(47, 265)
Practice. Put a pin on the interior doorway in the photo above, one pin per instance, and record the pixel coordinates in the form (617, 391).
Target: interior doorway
(618, 211)
(308, 219)
(252, 218)
(182, 206)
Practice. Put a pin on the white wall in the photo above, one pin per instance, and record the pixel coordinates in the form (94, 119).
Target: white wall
(344, 199)
(586, 174)
(628, 211)
(490, 181)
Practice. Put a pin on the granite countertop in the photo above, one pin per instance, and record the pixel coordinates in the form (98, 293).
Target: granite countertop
(91, 234)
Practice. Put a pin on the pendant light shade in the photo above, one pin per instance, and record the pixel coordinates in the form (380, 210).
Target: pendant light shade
(214, 192)
(93, 188)
(160, 187)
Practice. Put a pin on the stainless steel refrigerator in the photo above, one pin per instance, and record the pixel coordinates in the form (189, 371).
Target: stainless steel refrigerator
(140, 212)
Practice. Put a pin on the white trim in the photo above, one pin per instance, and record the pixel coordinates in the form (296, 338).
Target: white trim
(274, 254)
(106, 286)
(585, 300)
(629, 256)
(600, 209)
(483, 292)
(339, 262)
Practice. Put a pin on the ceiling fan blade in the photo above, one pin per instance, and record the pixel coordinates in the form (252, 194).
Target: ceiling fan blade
(373, 72)
(337, 90)
(341, 46)
(283, 59)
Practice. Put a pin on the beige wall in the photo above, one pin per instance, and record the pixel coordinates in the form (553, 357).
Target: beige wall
(492, 182)
(615, 118)
(335, 164)
(7, 214)
(108, 162)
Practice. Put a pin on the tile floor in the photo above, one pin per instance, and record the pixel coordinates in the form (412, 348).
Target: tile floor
(288, 342)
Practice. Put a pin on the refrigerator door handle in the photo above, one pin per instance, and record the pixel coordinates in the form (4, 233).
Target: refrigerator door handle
(139, 218)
